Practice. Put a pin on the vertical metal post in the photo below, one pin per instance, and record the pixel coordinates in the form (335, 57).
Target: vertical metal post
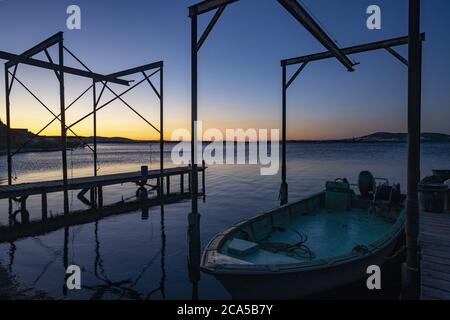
(194, 217)
(94, 91)
(411, 278)
(284, 185)
(194, 175)
(63, 124)
(203, 178)
(8, 126)
(161, 128)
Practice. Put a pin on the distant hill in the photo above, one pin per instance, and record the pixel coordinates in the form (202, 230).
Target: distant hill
(41, 143)
(108, 140)
(47, 143)
(402, 137)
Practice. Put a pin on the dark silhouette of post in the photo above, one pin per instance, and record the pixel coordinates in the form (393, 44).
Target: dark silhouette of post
(194, 174)
(194, 216)
(8, 125)
(161, 130)
(8, 129)
(411, 278)
(63, 123)
(94, 93)
(284, 185)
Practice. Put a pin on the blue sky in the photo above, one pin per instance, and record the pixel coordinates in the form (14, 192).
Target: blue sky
(239, 65)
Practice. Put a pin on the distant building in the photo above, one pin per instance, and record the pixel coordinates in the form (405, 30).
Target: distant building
(18, 136)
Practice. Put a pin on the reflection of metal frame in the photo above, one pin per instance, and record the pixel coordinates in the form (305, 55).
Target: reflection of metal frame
(123, 288)
(60, 69)
(126, 288)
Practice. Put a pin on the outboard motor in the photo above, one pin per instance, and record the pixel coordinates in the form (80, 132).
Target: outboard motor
(366, 184)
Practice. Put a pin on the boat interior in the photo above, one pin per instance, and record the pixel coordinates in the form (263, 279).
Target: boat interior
(329, 225)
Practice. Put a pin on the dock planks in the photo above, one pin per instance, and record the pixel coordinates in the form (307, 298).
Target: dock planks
(435, 249)
(35, 188)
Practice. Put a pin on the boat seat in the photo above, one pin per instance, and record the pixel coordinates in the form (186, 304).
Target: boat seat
(242, 248)
(338, 195)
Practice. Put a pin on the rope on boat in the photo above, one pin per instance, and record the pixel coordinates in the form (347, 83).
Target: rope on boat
(299, 249)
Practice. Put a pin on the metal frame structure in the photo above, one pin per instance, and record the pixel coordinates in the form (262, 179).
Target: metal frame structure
(410, 272)
(305, 19)
(414, 63)
(60, 70)
(293, 7)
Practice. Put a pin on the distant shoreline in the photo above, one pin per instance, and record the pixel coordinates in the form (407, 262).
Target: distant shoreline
(375, 138)
(3, 152)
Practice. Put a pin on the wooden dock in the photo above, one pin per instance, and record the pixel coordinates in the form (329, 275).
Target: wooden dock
(35, 188)
(95, 184)
(435, 255)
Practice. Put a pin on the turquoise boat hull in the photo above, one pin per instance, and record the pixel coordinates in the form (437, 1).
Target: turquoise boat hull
(337, 248)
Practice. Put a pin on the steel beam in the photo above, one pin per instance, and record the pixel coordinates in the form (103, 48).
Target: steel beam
(210, 26)
(352, 50)
(8, 125)
(63, 123)
(110, 101)
(398, 56)
(194, 101)
(42, 64)
(284, 185)
(296, 74)
(38, 48)
(94, 95)
(207, 5)
(411, 276)
(143, 68)
(302, 16)
(161, 129)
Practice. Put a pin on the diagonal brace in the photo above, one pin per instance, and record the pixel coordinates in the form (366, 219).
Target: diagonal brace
(397, 55)
(210, 26)
(151, 85)
(49, 123)
(110, 101)
(47, 108)
(122, 73)
(296, 74)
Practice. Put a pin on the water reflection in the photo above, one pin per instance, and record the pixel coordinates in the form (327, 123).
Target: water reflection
(194, 252)
(105, 286)
(126, 288)
(234, 193)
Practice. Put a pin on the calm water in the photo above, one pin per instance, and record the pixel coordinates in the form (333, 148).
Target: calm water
(128, 257)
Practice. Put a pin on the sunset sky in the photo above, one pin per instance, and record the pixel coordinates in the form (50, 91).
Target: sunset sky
(239, 66)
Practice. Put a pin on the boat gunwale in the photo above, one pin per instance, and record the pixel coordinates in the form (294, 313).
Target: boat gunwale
(218, 240)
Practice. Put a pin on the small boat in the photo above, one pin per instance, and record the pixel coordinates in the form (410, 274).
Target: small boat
(311, 246)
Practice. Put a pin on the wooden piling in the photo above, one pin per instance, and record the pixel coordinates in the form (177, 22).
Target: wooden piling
(182, 183)
(168, 185)
(100, 197)
(44, 206)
